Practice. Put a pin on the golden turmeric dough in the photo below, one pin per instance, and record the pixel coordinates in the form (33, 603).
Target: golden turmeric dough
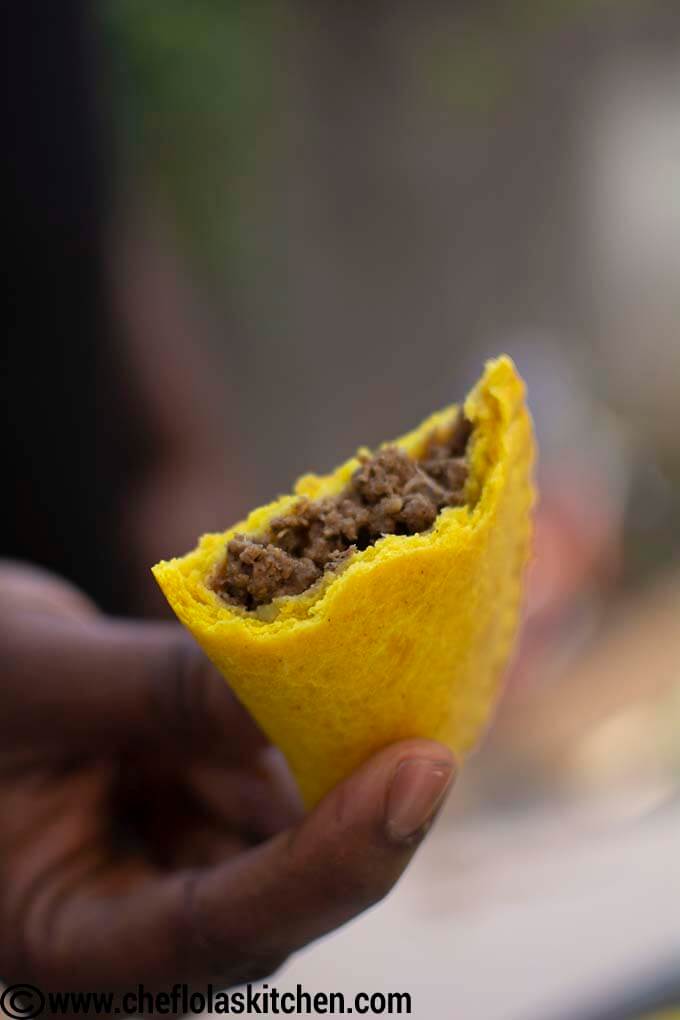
(410, 635)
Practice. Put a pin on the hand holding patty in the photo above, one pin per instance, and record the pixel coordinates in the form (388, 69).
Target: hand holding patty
(149, 831)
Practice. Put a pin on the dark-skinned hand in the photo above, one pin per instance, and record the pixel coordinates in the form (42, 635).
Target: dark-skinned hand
(148, 831)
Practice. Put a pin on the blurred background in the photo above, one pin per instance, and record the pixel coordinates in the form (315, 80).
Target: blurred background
(310, 224)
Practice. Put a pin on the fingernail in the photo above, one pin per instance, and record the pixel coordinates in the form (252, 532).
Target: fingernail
(417, 789)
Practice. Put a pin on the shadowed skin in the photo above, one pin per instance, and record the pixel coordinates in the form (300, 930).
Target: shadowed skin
(149, 832)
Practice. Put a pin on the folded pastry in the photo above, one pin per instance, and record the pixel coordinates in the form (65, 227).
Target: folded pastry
(378, 602)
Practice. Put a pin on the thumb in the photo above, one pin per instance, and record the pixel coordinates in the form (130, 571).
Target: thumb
(239, 920)
(245, 917)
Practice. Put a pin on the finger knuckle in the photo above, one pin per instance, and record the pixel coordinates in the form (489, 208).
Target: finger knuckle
(30, 916)
(260, 966)
(361, 877)
(229, 956)
(365, 889)
(180, 690)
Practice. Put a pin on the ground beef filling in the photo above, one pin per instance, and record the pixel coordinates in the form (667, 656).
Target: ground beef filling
(389, 494)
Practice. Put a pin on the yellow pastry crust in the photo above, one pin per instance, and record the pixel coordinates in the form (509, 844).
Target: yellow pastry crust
(411, 637)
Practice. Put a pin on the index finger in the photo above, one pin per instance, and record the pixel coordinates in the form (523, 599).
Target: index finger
(102, 684)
